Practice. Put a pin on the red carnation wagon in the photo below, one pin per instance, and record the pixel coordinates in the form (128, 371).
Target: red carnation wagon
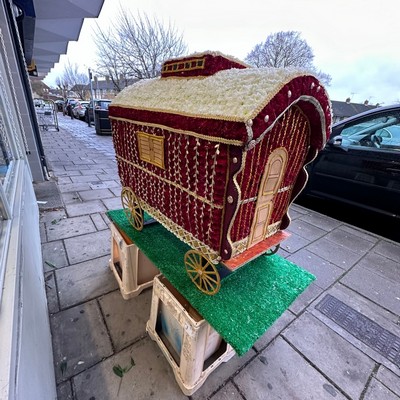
(215, 151)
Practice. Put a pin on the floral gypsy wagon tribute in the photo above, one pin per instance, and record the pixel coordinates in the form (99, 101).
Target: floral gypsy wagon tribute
(215, 151)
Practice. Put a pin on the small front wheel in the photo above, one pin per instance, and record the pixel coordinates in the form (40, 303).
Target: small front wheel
(133, 210)
(202, 272)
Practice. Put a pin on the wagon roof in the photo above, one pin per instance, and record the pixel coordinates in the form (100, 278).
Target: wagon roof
(233, 94)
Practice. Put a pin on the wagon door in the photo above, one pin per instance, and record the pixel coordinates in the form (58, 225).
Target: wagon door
(270, 183)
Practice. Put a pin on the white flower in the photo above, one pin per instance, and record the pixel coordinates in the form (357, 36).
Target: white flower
(236, 94)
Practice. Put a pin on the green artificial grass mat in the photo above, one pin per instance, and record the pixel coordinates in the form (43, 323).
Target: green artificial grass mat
(250, 300)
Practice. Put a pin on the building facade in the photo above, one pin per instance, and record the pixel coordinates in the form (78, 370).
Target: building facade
(26, 360)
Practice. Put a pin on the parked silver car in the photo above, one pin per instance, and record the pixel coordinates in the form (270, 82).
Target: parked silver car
(79, 109)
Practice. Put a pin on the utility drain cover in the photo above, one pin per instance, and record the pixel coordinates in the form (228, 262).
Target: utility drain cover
(369, 332)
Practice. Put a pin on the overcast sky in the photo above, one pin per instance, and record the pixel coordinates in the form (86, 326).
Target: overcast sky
(354, 41)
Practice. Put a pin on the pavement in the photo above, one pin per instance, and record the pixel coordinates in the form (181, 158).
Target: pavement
(339, 340)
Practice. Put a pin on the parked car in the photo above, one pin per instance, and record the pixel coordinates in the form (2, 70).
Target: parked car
(99, 104)
(360, 164)
(59, 104)
(72, 103)
(79, 109)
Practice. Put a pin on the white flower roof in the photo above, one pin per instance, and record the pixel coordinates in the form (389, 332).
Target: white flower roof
(233, 94)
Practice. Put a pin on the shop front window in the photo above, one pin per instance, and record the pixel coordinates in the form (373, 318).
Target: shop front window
(5, 153)
(11, 154)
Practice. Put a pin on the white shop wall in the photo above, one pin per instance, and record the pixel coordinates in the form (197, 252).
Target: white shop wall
(26, 363)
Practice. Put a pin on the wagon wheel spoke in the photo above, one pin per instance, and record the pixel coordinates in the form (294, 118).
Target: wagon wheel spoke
(202, 272)
(205, 285)
(133, 210)
(194, 274)
(210, 282)
(210, 278)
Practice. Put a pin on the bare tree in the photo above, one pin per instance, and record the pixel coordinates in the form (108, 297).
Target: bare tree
(135, 48)
(285, 49)
(109, 61)
(72, 79)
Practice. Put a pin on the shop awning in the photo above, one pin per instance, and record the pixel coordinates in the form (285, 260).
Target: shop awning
(46, 27)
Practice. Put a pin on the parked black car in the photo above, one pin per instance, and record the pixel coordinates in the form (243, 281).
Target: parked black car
(360, 164)
(59, 104)
(99, 104)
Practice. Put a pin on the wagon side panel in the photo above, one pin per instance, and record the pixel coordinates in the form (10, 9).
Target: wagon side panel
(291, 132)
(180, 179)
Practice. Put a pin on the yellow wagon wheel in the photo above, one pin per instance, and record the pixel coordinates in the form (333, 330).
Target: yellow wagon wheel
(202, 272)
(131, 206)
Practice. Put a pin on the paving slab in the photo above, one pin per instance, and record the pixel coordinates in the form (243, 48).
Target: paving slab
(383, 266)
(377, 391)
(51, 292)
(75, 167)
(70, 227)
(85, 208)
(296, 211)
(334, 253)
(279, 325)
(336, 358)
(64, 391)
(151, 377)
(105, 185)
(305, 299)
(109, 176)
(62, 180)
(86, 247)
(294, 243)
(95, 194)
(306, 230)
(351, 241)
(71, 198)
(84, 281)
(99, 221)
(325, 272)
(80, 339)
(47, 195)
(93, 171)
(222, 374)
(126, 319)
(54, 255)
(389, 379)
(74, 187)
(361, 233)
(113, 204)
(83, 161)
(280, 372)
(84, 178)
(228, 392)
(320, 221)
(61, 172)
(388, 249)
(42, 232)
(116, 191)
(373, 285)
(48, 217)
